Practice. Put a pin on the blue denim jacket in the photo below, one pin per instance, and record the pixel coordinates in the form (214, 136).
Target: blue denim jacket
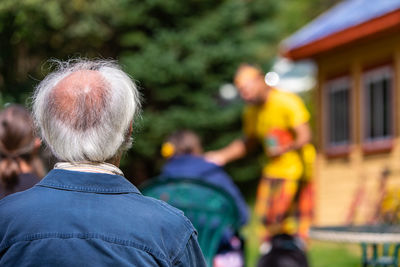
(90, 219)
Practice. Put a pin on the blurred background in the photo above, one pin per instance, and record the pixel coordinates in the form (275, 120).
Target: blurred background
(341, 57)
(181, 53)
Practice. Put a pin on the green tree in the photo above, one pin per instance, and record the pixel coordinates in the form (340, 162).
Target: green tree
(184, 62)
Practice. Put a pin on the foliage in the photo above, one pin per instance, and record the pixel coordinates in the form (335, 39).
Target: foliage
(180, 52)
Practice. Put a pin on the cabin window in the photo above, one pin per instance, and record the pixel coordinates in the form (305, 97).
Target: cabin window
(377, 86)
(338, 112)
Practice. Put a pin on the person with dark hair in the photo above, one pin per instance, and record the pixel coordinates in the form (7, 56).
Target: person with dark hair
(20, 165)
(184, 151)
(284, 253)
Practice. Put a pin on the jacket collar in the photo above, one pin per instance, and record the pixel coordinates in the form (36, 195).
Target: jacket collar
(99, 167)
(87, 182)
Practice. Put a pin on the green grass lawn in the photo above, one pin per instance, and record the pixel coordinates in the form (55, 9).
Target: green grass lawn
(324, 254)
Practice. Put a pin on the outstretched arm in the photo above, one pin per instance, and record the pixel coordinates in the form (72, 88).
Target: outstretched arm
(235, 150)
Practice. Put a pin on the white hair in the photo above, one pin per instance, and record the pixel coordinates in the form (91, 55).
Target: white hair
(95, 135)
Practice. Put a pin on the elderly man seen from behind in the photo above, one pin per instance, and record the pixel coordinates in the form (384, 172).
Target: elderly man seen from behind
(84, 212)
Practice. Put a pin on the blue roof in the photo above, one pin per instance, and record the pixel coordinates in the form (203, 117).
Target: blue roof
(346, 14)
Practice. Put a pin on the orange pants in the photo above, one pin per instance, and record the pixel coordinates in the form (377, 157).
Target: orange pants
(284, 206)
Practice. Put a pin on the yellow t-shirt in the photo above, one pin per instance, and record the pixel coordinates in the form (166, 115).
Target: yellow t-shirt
(273, 122)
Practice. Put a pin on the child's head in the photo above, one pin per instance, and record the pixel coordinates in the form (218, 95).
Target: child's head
(284, 253)
(182, 142)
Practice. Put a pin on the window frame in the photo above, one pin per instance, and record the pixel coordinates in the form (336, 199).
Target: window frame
(333, 150)
(383, 144)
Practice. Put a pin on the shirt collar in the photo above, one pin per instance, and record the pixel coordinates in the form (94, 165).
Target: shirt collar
(101, 167)
(88, 182)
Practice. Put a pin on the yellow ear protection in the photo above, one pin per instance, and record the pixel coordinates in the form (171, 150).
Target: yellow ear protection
(167, 150)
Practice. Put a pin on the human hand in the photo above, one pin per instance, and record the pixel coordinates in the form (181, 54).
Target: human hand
(278, 142)
(215, 157)
(276, 151)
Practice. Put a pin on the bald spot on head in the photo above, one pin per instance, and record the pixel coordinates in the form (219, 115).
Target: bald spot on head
(79, 99)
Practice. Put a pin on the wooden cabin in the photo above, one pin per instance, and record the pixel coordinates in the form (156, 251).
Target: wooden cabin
(356, 46)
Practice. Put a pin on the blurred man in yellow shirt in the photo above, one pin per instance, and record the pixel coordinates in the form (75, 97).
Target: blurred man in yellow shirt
(279, 122)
